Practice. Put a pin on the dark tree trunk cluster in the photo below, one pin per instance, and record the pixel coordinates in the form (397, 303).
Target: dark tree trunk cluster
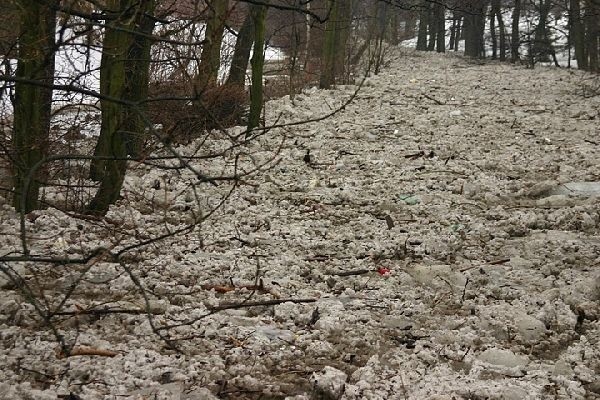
(432, 26)
(584, 24)
(33, 100)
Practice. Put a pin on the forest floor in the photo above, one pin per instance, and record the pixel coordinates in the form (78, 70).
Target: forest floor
(444, 238)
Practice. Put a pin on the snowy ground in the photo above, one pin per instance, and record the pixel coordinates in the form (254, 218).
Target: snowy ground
(447, 173)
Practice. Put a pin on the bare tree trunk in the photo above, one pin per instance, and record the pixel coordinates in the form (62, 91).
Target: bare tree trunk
(294, 52)
(33, 99)
(452, 33)
(123, 76)
(474, 29)
(307, 43)
(493, 33)
(432, 18)
(210, 58)
(441, 27)
(343, 33)
(258, 13)
(327, 78)
(241, 53)
(515, 40)
(542, 48)
(592, 15)
(423, 24)
(481, 26)
(577, 33)
(459, 33)
(382, 23)
(502, 29)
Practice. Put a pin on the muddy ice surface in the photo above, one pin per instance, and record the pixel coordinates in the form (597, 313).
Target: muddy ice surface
(445, 237)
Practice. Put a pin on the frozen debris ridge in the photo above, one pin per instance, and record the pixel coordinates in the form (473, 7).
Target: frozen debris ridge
(329, 383)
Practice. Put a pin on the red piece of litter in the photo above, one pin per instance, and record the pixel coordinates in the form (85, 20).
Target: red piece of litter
(384, 271)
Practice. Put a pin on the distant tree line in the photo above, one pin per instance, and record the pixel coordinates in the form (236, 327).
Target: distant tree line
(480, 21)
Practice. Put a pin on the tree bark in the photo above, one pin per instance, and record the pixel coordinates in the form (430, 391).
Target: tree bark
(459, 33)
(592, 15)
(327, 78)
(382, 21)
(433, 25)
(577, 33)
(423, 24)
(441, 27)
(452, 33)
(210, 58)
(502, 30)
(33, 102)
(241, 54)
(474, 28)
(542, 48)
(515, 40)
(124, 74)
(344, 26)
(493, 33)
(258, 13)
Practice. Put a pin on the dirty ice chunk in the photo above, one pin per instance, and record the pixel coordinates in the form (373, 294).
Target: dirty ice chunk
(588, 189)
(503, 358)
(329, 383)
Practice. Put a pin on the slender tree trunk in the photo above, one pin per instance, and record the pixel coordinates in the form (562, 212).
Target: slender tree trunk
(515, 40)
(33, 102)
(259, 13)
(592, 15)
(502, 30)
(493, 33)
(433, 25)
(441, 27)
(452, 33)
(382, 23)
(423, 26)
(344, 28)
(459, 33)
(577, 33)
(124, 74)
(542, 48)
(307, 42)
(470, 32)
(327, 78)
(138, 71)
(481, 27)
(294, 52)
(210, 58)
(241, 54)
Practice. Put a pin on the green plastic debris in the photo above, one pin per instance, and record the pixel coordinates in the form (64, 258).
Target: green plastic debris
(409, 199)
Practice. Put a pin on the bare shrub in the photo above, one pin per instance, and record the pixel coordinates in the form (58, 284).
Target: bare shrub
(184, 117)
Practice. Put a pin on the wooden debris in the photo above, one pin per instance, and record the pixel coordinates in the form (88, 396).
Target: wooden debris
(87, 351)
